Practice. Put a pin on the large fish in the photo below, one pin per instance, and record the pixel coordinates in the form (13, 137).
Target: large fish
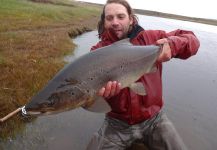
(77, 84)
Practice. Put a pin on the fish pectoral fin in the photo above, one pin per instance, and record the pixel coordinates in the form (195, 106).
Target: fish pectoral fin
(138, 88)
(99, 105)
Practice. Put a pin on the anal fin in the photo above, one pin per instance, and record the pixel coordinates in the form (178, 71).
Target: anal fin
(99, 105)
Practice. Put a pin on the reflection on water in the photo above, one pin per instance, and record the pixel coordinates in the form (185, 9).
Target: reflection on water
(84, 44)
(189, 93)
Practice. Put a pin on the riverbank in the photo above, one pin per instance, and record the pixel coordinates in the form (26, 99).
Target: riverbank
(34, 38)
(177, 17)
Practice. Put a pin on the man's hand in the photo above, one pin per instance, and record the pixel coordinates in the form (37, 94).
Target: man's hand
(166, 53)
(112, 88)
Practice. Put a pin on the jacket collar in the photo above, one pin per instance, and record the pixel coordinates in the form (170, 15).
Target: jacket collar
(135, 31)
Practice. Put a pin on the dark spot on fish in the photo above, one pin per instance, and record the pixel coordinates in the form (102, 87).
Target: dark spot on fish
(101, 70)
(72, 93)
(71, 81)
(68, 82)
(61, 85)
(91, 79)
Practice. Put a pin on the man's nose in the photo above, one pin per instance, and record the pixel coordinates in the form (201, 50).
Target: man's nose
(115, 22)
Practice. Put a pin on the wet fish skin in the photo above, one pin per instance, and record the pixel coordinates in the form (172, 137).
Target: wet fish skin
(77, 83)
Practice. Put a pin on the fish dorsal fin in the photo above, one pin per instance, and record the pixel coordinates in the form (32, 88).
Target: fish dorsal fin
(124, 41)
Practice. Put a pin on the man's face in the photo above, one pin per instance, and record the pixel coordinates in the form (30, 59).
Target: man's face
(117, 19)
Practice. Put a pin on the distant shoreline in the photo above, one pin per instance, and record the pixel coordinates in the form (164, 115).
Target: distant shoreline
(178, 17)
(167, 15)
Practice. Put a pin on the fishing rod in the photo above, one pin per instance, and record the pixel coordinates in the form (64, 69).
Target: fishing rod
(11, 114)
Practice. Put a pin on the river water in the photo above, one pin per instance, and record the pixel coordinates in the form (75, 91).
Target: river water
(190, 93)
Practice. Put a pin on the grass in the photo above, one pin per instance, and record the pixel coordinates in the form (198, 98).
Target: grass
(21, 14)
(34, 38)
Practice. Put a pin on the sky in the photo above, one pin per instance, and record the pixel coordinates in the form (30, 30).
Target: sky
(191, 8)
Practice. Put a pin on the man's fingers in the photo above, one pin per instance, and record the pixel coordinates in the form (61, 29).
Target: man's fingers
(101, 91)
(165, 54)
(108, 89)
(113, 88)
(118, 88)
(162, 41)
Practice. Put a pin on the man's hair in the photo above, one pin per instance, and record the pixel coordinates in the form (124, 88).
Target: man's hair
(130, 12)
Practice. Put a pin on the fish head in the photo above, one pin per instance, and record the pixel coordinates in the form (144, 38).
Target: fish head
(63, 99)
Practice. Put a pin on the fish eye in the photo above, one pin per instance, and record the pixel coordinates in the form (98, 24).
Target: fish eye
(48, 104)
(51, 102)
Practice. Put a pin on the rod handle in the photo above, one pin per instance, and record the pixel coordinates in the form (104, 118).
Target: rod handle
(10, 114)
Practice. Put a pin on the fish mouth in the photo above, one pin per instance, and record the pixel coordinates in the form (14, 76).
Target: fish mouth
(35, 112)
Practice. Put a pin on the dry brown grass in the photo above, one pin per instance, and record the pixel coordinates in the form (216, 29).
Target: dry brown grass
(29, 60)
(29, 57)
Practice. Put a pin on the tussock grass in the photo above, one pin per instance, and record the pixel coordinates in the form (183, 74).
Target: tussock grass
(22, 14)
(34, 38)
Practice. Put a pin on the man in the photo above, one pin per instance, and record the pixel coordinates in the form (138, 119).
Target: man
(134, 117)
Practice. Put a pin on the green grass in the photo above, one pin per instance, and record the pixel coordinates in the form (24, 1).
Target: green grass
(21, 14)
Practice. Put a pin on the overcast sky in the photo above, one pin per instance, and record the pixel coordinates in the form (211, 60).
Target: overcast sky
(192, 8)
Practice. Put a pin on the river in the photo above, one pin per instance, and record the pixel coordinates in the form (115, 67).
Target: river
(190, 93)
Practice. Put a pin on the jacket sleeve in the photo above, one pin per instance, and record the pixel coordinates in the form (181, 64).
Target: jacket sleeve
(98, 45)
(183, 43)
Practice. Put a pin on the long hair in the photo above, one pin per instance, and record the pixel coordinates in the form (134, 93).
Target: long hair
(130, 12)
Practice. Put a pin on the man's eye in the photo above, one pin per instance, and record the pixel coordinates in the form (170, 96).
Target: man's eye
(121, 16)
(108, 18)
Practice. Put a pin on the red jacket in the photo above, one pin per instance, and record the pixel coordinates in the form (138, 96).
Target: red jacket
(130, 107)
